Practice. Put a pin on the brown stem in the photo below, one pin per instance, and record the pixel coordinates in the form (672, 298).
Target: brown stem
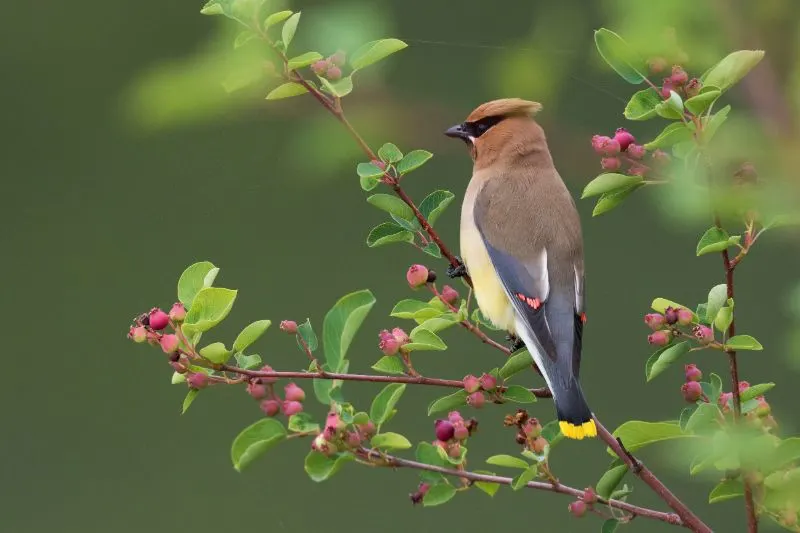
(690, 520)
(415, 380)
(397, 462)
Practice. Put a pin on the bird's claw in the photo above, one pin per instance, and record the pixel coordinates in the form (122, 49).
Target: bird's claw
(516, 343)
(457, 271)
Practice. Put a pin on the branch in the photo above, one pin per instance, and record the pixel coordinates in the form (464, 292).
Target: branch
(414, 380)
(397, 462)
(690, 520)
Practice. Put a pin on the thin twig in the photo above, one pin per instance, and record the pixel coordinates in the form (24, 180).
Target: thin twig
(397, 462)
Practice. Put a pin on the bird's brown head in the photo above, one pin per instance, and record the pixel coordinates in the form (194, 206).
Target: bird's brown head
(498, 126)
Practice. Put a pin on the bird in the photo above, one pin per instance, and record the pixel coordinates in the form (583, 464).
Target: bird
(522, 246)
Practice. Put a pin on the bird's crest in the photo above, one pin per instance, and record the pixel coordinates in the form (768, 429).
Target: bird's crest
(505, 107)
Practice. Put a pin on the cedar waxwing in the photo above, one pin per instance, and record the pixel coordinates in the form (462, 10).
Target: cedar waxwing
(521, 244)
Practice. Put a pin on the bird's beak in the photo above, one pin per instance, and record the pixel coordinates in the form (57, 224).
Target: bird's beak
(457, 132)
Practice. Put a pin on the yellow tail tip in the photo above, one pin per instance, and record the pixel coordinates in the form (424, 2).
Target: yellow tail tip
(579, 432)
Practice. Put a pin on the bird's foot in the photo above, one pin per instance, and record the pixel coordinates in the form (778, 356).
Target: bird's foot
(516, 343)
(458, 271)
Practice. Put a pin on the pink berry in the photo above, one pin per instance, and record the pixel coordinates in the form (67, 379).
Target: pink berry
(635, 151)
(169, 343)
(604, 145)
(624, 138)
(388, 343)
(338, 58)
(320, 67)
(743, 386)
(292, 408)
(655, 320)
(455, 417)
(724, 400)
(178, 312)
(589, 495)
(449, 294)
(267, 368)
(197, 381)
(666, 88)
(578, 508)
(270, 407)
(288, 326)
(417, 276)
(704, 334)
(137, 334)
(539, 445)
(353, 439)
(671, 315)
(661, 158)
(454, 450)
(444, 430)
(179, 367)
(334, 73)
(610, 163)
(532, 428)
(693, 87)
(638, 170)
(679, 76)
(693, 373)
(400, 336)
(322, 445)
(460, 431)
(293, 393)
(659, 338)
(158, 319)
(685, 317)
(476, 399)
(657, 65)
(368, 429)
(692, 391)
(257, 390)
(488, 382)
(471, 384)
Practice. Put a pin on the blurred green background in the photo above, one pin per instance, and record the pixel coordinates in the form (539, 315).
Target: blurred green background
(124, 160)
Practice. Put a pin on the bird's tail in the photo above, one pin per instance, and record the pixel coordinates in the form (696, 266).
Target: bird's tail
(574, 417)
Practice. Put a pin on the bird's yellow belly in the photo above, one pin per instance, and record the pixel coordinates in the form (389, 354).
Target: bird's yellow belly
(489, 291)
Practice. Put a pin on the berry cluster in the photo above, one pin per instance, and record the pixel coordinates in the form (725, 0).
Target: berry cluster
(476, 387)
(579, 507)
(667, 326)
(263, 389)
(452, 432)
(392, 341)
(677, 81)
(340, 436)
(529, 433)
(621, 152)
(331, 67)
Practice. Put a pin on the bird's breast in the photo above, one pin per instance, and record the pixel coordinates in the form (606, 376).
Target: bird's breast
(488, 288)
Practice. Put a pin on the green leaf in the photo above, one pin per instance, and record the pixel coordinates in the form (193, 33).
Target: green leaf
(480, 318)
(196, 277)
(411, 225)
(788, 451)
(374, 51)
(732, 68)
(706, 415)
(303, 60)
(610, 480)
(250, 334)
(189, 400)
(438, 494)
(716, 120)
(610, 200)
(432, 250)
(789, 219)
(686, 414)
(412, 161)
(434, 205)
(516, 364)
(306, 332)
(408, 308)
(255, 440)
(212, 7)
(320, 467)
(369, 170)
(422, 339)
(303, 423)
(609, 182)
(243, 38)
(390, 441)
(429, 454)
(609, 526)
(384, 402)
(392, 204)
(702, 311)
(674, 104)
(619, 56)
(717, 297)
(276, 18)
(666, 358)
(713, 240)
(697, 104)
(248, 362)
(519, 394)
(724, 318)
(341, 324)
(674, 133)
(660, 305)
(508, 461)
(178, 378)
(754, 391)
(521, 481)
(716, 385)
(552, 433)
(439, 323)
(341, 87)
(636, 434)
(387, 233)
(448, 403)
(487, 486)
(289, 29)
(287, 90)
(743, 342)
(389, 364)
(389, 153)
(216, 353)
(642, 105)
(210, 307)
(728, 489)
